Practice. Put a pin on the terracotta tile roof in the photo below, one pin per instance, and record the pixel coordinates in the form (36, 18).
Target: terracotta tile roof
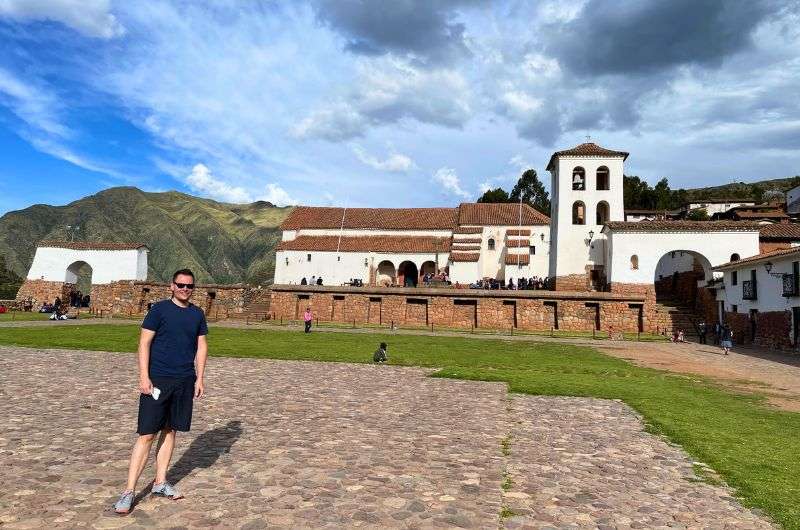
(516, 232)
(511, 259)
(465, 247)
(769, 214)
(371, 218)
(784, 252)
(395, 244)
(681, 226)
(516, 243)
(721, 201)
(468, 230)
(464, 256)
(472, 213)
(780, 231)
(91, 245)
(585, 149)
(466, 240)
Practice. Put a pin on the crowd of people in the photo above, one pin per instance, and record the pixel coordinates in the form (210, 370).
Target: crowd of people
(532, 283)
(313, 281)
(429, 278)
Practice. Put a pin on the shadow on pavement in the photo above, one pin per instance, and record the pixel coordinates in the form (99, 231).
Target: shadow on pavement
(206, 449)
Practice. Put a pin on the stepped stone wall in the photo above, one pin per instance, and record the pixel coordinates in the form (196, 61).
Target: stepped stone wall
(461, 308)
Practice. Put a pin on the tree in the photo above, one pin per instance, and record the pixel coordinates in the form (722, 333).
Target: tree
(532, 191)
(757, 193)
(698, 214)
(495, 195)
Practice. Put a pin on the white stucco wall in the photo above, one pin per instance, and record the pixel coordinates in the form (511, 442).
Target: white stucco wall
(571, 250)
(716, 247)
(492, 263)
(336, 269)
(51, 264)
(677, 261)
(717, 207)
(769, 288)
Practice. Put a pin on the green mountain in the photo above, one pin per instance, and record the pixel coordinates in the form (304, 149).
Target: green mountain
(221, 243)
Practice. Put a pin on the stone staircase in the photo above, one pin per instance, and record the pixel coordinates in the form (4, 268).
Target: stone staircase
(672, 316)
(254, 312)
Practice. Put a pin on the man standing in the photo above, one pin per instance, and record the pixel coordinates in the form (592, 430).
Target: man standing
(171, 345)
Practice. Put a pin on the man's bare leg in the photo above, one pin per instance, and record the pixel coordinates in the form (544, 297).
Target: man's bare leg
(141, 449)
(166, 444)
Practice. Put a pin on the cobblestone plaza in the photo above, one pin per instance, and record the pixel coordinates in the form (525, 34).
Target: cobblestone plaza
(288, 444)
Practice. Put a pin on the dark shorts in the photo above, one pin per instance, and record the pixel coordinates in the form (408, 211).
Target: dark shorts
(173, 409)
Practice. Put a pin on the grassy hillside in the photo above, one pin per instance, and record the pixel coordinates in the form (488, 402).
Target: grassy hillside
(221, 243)
(743, 190)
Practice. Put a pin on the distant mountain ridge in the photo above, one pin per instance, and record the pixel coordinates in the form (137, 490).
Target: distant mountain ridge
(222, 243)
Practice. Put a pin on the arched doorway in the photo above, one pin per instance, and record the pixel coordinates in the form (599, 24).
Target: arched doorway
(429, 267)
(78, 274)
(678, 273)
(386, 274)
(407, 274)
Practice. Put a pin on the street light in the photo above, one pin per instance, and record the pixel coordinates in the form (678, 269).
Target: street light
(591, 235)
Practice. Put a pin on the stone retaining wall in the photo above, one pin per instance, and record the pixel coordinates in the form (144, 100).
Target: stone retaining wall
(133, 297)
(526, 310)
(773, 329)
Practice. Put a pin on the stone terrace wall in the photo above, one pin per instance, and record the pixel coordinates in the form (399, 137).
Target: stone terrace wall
(132, 297)
(461, 308)
(572, 282)
(773, 329)
(41, 291)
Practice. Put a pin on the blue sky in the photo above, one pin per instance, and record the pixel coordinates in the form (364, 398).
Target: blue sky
(369, 103)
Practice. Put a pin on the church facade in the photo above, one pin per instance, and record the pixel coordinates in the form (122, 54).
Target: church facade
(399, 246)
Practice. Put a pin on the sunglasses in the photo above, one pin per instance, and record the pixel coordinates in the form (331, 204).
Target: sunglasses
(184, 285)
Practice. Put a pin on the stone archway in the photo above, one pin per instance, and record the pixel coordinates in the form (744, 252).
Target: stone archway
(678, 272)
(386, 274)
(79, 276)
(429, 267)
(407, 274)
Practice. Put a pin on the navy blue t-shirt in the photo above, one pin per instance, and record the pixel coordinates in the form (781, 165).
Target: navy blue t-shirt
(174, 346)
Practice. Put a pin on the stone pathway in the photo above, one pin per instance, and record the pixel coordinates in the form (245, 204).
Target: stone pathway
(298, 444)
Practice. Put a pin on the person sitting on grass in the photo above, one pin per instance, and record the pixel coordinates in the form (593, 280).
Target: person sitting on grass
(380, 354)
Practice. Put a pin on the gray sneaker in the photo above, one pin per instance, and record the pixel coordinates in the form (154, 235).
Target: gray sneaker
(165, 489)
(123, 505)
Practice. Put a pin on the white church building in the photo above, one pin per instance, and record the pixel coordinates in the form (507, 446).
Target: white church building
(398, 246)
(585, 246)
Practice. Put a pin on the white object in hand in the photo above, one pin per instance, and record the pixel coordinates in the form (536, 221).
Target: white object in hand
(155, 393)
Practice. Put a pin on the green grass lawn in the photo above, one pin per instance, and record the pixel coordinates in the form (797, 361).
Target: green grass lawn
(23, 316)
(754, 447)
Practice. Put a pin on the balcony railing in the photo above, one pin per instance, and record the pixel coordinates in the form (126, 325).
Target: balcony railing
(749, 290)
(790, 285)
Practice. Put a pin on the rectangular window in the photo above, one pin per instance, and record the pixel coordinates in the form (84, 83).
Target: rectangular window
(532, 250)
(734, 308)
(734, 277)
(308, 257)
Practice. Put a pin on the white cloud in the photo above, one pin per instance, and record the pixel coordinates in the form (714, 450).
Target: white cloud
(390, 90)
(93, 18)
(277, 196)
(449, 180)
(202, 181)
(394, 163)
(34, 105)
(336, 123)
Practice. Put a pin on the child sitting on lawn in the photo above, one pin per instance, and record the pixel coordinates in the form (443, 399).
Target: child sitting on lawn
(380, 354)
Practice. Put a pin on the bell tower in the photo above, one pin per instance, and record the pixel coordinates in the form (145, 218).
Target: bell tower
(586, 184)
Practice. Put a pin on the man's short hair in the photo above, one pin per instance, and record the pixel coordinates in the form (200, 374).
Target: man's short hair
(184, 272)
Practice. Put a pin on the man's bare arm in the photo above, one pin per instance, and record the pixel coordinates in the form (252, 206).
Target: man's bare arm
(200, 361)
(145, 339)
